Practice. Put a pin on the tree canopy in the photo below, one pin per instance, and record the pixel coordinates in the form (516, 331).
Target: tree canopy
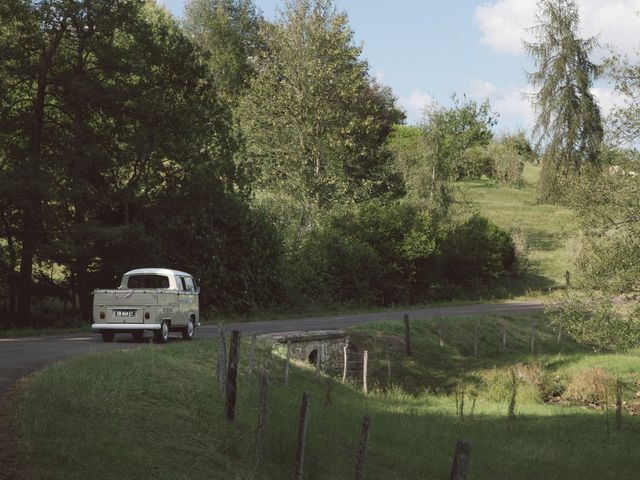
(313, 121)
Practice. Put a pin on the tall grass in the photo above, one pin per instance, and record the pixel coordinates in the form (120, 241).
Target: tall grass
(549, 231)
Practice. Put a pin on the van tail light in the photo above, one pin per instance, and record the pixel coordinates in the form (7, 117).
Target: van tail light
(147, 316)
(101, 315)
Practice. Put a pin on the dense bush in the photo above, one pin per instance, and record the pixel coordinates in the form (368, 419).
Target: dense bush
(596, 320)
(476, 250)
(507, 163)
(396, 253)
(497, 160)
(370, 254)
(331, 268)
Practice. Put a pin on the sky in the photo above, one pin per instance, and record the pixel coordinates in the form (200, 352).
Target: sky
(427, 50)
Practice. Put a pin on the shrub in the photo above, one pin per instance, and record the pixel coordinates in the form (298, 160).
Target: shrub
(595, 320)
(329, 268)
(589, 386)
(372, 253)
(476, 249)
(507, 163)
(521, 250)
(476, 162)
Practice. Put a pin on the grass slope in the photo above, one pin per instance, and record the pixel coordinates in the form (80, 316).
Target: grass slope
(157, 412)
(549, 230)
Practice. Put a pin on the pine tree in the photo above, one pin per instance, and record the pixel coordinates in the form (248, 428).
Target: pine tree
(568, 124)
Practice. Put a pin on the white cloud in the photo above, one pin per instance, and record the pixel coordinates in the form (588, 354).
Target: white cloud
(607, 99)
(513, 104)
(504, 24)
(482, 89)
(415, 103)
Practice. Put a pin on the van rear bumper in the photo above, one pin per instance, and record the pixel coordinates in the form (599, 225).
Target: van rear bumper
(126, 327)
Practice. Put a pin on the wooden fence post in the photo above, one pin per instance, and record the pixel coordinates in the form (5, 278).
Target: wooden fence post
(302, 433)
(252, 352)
(344, 365)
(533, 336)
(232, 372)
(461, 460)
(262, 419)
(319, 360)
(361, 454)
(559, 339)
(475, 340)
(618, 404)
(504, 338)
(442, 332)
(222, 359)
(286, 365)
(407, 334)
(365, 360)
(388, 370)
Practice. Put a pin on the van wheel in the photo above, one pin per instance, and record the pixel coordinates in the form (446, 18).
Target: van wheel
(108, 336)
(189, 330)
(137, 336)
(162, 335)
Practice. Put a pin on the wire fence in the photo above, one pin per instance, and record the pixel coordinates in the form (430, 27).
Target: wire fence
(260, 358)
(287, 417)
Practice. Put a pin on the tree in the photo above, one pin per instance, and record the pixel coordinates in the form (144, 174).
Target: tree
(107, 108)
(625, 120)
(31, 36)
(433, 154)
(568, 123)
(228, 31)
(314, 123)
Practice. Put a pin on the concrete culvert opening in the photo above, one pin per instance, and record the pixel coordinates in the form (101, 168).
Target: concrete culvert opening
(313, 356)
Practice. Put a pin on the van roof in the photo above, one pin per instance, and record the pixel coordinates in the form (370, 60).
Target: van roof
(156, 271)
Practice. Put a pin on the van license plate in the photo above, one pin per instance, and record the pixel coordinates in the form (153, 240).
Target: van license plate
(124, 313)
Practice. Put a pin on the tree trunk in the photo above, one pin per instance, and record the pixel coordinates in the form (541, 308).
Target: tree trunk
(84, 293)
(24, 276)
(32, 204)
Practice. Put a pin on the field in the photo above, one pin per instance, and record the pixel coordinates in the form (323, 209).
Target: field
(157, 412)
(549, 232)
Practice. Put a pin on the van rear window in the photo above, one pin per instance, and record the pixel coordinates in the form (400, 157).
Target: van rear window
(148, 281)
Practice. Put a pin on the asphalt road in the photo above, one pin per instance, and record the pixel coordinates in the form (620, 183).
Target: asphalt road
(21, 356)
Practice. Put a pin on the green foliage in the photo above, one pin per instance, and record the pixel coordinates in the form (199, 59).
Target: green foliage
(595, 320)
(447, 146)
(328, 268)
(476, 250)
(450, 132)
(313, 122)
(519, 143)
(568, 123)
(625, 120)
(233, 250)
(113, 119)
(228, 31)
(397, 253)
(373, 253)
(608, 203)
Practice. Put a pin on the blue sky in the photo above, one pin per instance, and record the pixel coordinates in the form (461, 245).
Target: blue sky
(426, 50)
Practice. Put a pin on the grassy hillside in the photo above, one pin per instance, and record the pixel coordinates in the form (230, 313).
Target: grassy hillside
(157, 413)
(549, 230)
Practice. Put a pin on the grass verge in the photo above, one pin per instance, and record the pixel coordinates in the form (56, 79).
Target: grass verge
(156, 412)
